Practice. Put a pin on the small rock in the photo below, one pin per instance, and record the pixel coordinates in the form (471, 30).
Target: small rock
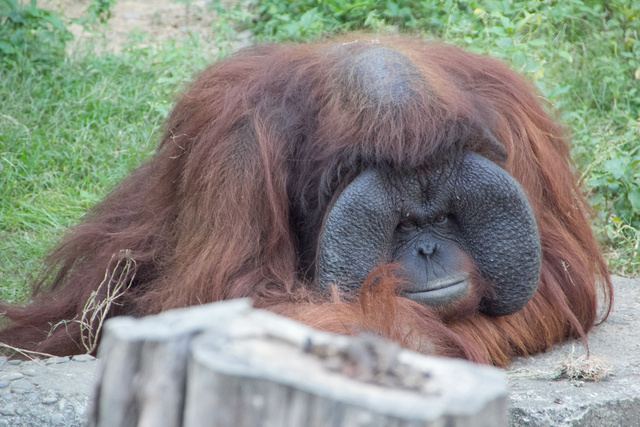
(58, 420)
(14, 362)
(83, 358)
(56, 360)
(22, 386)
(4, 383)
(8, 411)
(3, 361)
(12, 376)
(49, 400)
(32, 372)
(33, 395)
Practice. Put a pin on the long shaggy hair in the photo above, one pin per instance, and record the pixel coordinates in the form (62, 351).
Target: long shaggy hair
(254, 154)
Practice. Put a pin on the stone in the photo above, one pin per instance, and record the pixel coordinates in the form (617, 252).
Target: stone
(12, 376)
(56, 360)
(8, 411)
(49, 400)
(22, 386)
(58, 420)
(538, 400)
(83, 358)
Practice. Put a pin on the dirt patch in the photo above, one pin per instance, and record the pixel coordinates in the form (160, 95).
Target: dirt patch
(148, 22)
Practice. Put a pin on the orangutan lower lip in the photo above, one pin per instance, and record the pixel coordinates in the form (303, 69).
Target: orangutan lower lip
(440, 292)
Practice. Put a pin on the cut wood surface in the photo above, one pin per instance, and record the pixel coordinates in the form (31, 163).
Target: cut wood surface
(226, 364)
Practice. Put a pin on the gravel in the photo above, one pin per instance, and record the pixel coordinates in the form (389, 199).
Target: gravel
(51, 392)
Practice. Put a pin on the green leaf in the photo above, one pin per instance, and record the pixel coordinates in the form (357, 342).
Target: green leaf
(504, 42)
(506, 23)
(6, 47)
(597, 182)
(616, 167)
(9, 5)
(519, 59)
(537, 43)
(16, 16)
(499, 31)
(634, 198)
(532, 66)
(566, 55)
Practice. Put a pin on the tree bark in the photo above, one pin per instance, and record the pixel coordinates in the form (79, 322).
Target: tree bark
(226, 364)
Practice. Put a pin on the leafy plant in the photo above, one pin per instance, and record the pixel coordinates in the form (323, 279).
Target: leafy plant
(100, 10)
(30, 36)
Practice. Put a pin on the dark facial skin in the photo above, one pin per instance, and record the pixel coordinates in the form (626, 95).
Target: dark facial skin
(424, 246)
(430, 261)
(431, 223)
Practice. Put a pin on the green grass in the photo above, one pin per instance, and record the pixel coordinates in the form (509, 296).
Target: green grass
(71, 127)
(67, 134)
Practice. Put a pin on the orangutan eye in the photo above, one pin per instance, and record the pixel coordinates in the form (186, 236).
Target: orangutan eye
(407, 224)
(440, 219)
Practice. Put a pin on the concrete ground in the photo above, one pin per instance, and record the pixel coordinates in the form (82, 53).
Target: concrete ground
(537, 400)
(55, 392)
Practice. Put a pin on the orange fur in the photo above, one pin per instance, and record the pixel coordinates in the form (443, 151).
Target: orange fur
(254, 154)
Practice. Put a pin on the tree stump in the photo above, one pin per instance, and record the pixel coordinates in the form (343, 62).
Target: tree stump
(226, 364)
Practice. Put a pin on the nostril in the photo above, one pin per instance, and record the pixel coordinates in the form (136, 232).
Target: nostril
(426, 249)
